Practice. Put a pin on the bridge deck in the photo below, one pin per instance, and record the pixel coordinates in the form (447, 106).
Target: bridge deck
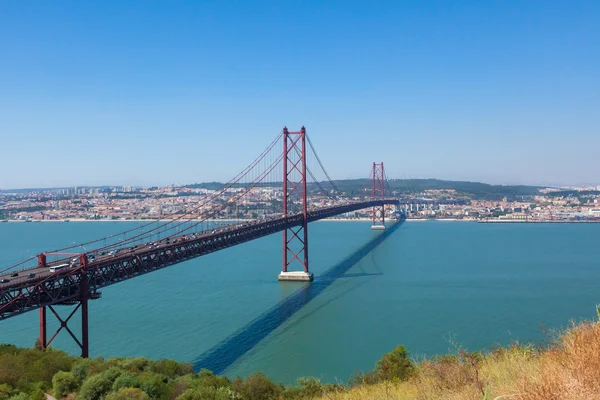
(47, 288)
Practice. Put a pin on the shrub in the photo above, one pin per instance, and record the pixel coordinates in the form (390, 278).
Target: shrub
(207, 393)
(20, 396)
(395, 365)
(257, 387)
(207, 378)
(86, 367)
(154, 385)
(310, 387)
(97, 386)
(170, 368)
(128, 394)
(137, 364)
(5, 391)
(94, 388)
(126, 380)
(64, 383)
(37, 394)
(46, 364)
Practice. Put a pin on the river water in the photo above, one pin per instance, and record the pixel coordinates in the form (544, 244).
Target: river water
(431, 286)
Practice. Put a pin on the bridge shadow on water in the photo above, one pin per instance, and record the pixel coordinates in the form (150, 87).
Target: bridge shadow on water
(228, 351)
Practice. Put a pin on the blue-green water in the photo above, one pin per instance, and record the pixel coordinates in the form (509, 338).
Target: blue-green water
(427, 285)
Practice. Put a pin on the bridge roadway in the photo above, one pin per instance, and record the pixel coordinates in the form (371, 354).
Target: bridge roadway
(24, 293)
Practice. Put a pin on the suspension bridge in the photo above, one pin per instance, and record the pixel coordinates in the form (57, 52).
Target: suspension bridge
(277, 192)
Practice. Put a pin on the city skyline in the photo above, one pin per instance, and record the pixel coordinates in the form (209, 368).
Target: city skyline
(148, 94)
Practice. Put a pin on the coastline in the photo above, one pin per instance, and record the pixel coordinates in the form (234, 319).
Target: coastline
(491, 221)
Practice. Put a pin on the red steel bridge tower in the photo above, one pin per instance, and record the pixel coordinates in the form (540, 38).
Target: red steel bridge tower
(295, 239)
(81, 302)
(378, 193)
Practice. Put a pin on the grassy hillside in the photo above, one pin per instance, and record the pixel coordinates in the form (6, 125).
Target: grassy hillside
(567, 369)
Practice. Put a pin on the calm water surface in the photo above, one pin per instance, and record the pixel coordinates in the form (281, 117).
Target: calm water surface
(427, 285)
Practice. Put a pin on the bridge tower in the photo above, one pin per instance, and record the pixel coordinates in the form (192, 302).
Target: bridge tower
(378, 193)
(295, 239)
(80, 303)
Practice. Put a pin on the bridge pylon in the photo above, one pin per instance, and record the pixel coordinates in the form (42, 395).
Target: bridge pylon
(378, 193)
(295, 239)
(80, 303)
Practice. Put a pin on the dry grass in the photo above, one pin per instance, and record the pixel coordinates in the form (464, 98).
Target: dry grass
(568, 369)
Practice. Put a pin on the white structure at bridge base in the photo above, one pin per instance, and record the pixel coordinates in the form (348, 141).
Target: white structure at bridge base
(300, 276)
(378, 227)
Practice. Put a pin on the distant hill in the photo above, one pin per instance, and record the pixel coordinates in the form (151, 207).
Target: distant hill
(474, 190)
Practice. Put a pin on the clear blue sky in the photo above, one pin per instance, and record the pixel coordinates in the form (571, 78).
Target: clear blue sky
(149, 92)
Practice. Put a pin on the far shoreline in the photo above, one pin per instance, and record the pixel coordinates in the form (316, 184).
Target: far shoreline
(322, 220)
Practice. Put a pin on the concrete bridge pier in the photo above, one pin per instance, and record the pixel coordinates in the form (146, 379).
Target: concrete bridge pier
(297, 276)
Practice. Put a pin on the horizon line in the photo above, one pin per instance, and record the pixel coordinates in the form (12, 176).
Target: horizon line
(555, 186)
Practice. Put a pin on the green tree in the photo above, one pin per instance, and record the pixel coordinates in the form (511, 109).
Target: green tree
(94, 388)
(394, 365)
(128, 394)
(97, 386)
(20, 396)
(137, 364)
(64, 383)
(126, 380)
(258, 387)
(5, 391)
(170, 368)
(207, 393)
(310, 387)
(154, 385)
(85, 367)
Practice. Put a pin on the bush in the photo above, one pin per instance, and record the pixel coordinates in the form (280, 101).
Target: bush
(128, 394)
(94, 388)
(126, 380)
(207, 393)
(49, 364)
(257, 387)
(20, 396)
(86, 367)
(137, 364)
(37, 394)
(154, 385)
(207, 378)
(22, 367)
(97, 386)
(395, 365)
(64, 383)
(5, 391)
(170, 368)
(310, 387)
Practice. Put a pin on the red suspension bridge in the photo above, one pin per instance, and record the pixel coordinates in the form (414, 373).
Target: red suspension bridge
(277, 192)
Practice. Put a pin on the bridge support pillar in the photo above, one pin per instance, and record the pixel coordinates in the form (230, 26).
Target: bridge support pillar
(64, 323)
(85, 346)
(295, 239)
(378, 193)
(43, 333)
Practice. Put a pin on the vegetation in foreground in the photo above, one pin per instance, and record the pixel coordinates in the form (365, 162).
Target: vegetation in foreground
(567, 368)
